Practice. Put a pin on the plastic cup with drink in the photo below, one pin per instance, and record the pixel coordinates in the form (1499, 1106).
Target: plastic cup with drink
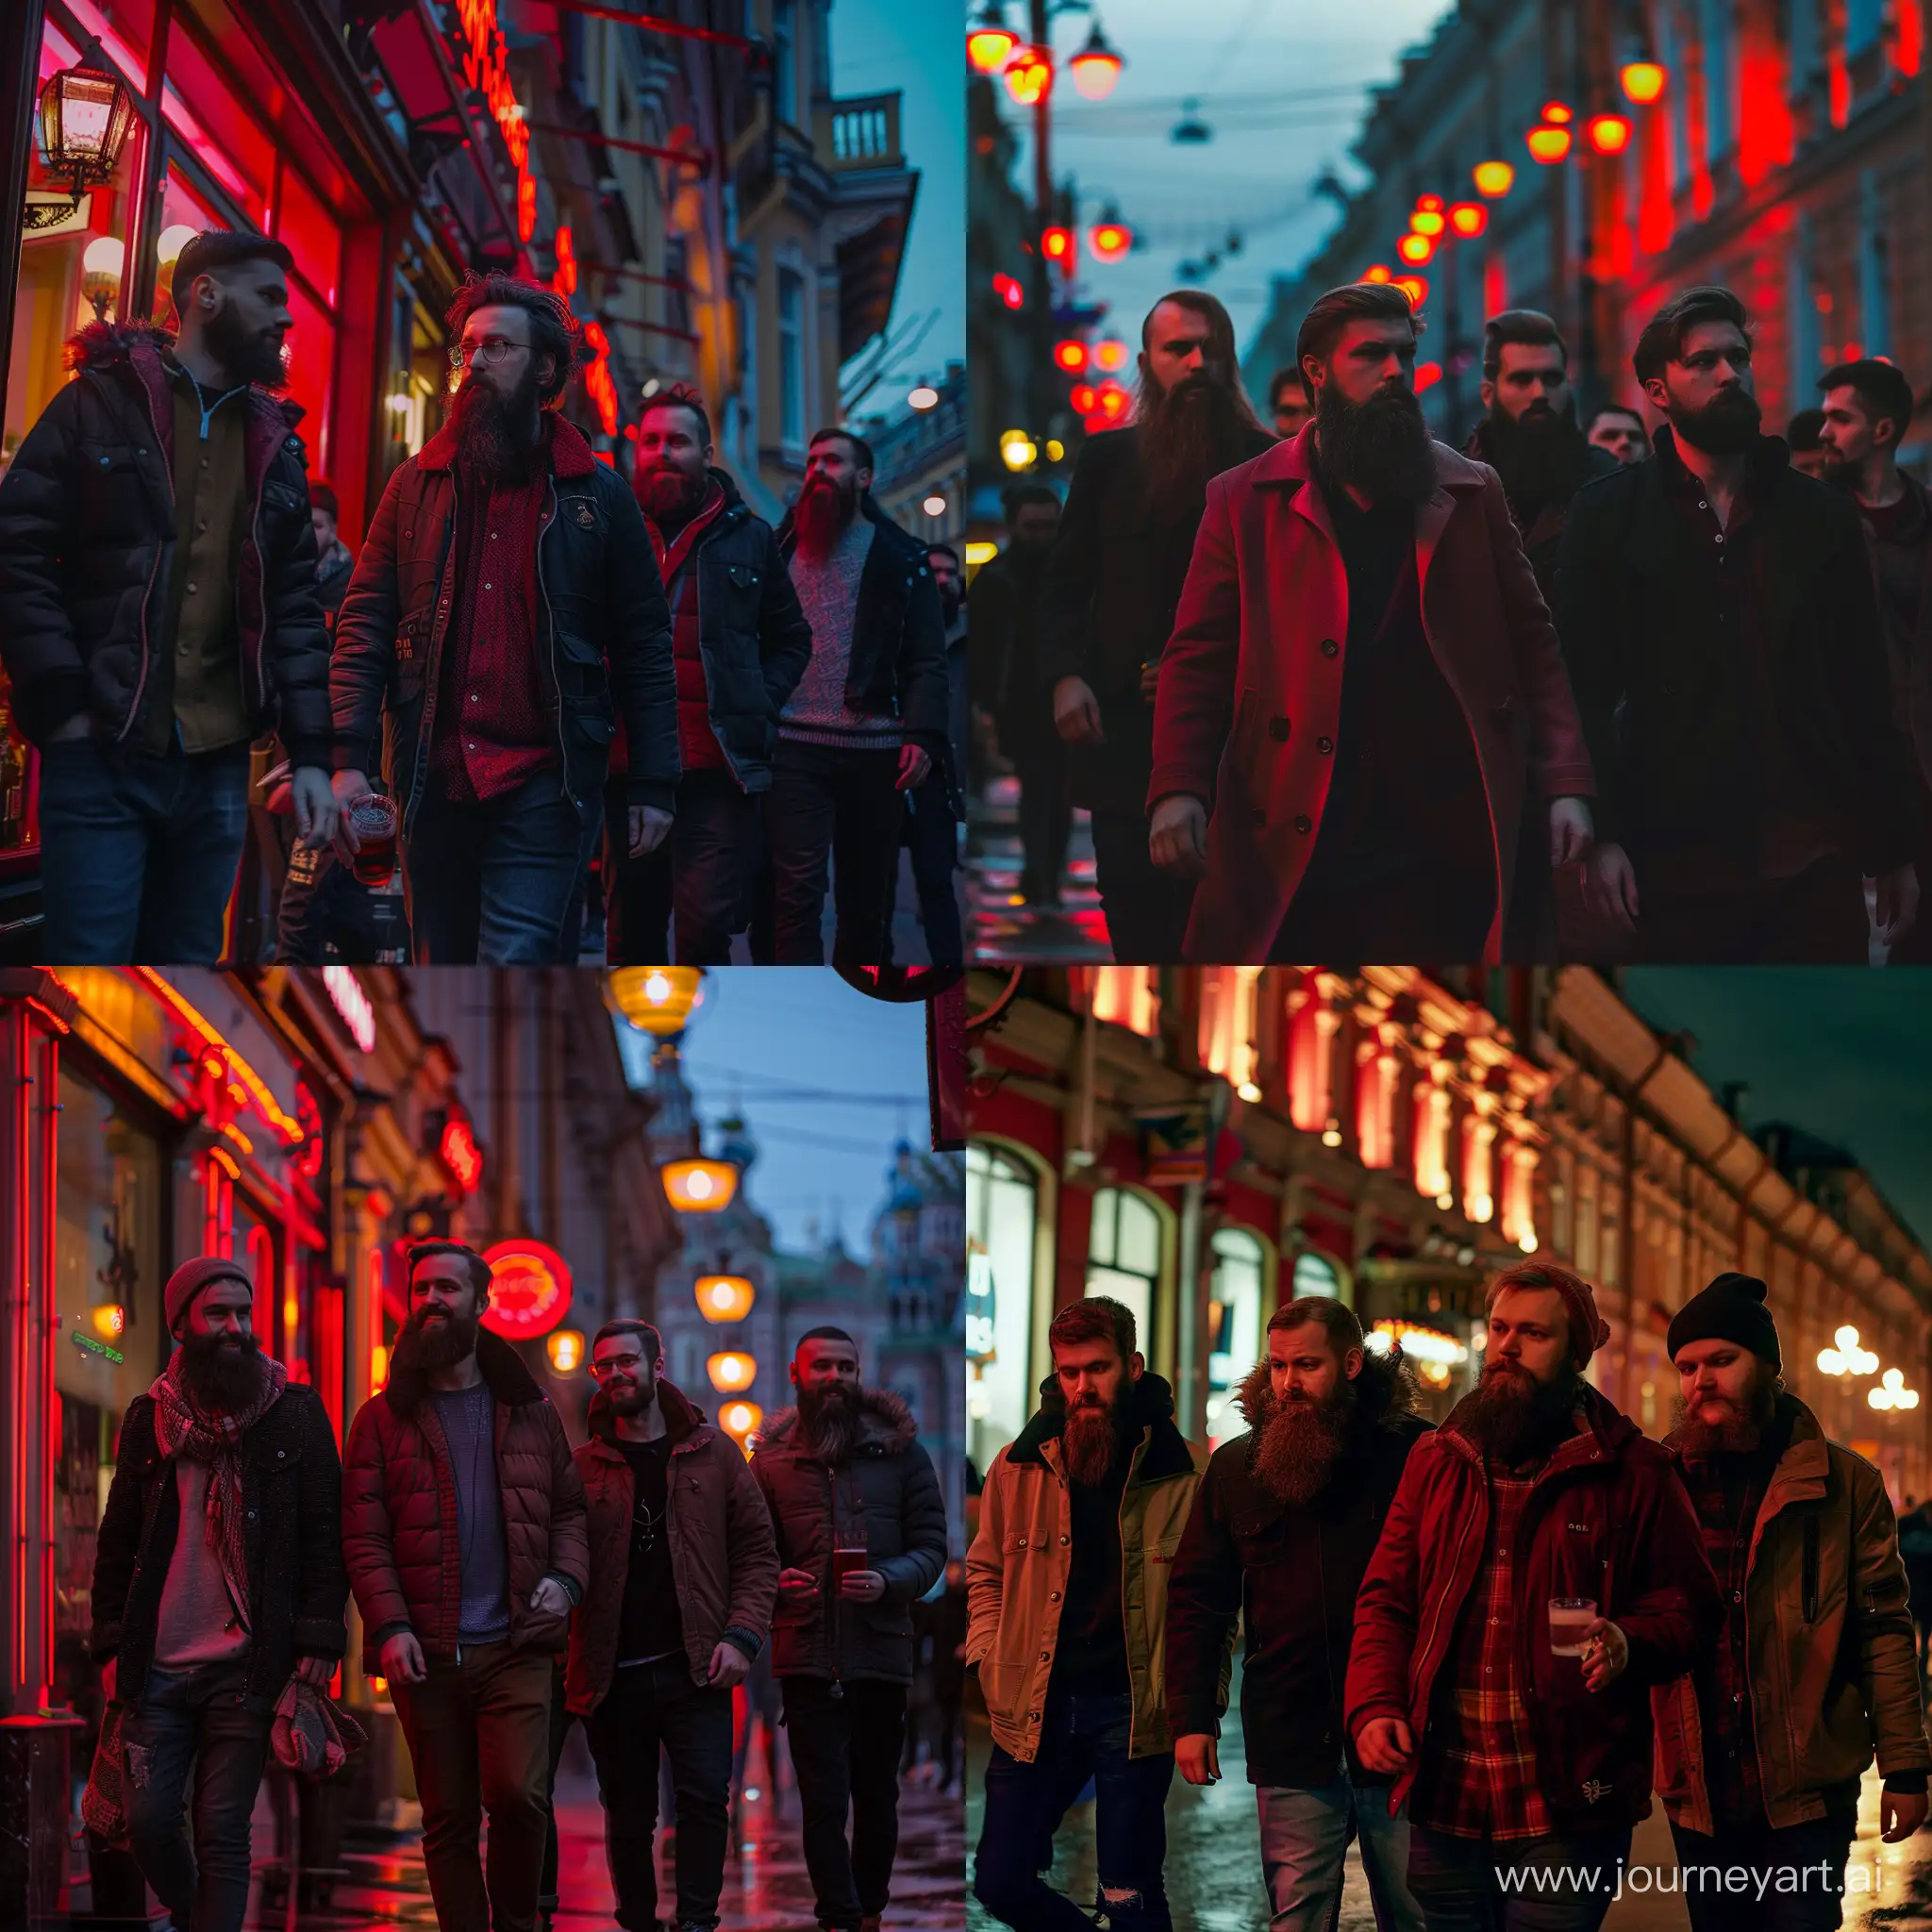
(374, 821)
(849, 1555)
(1570, 1620)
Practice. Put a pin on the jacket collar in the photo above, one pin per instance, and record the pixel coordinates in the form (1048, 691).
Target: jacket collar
(1769, 458)
(885, 1428)
(570, 453)
(683, 1420)
(504, 1373)
(1166, 1452)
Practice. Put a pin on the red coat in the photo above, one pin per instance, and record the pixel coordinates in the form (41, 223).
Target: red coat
(1609, 1519)
(1265, 615)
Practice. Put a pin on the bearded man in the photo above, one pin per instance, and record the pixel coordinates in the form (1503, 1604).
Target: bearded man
(218, 1574)
(1363, 705)
(1761, 1748)
(867, 721)
(505, 615)
(1722, 630)
(1113, 585)
(1279, 1537)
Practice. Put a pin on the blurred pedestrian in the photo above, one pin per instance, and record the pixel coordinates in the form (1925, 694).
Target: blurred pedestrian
(940, 1623)
(1810, 454)
(935, 807)
(1915, 1552)
(1114, 585)
(1620, 429)
(861, 1531)
(505, 611)
(1718, 615)
(1289, 408)
(333, 560)
(158, 612)
(1368, 803)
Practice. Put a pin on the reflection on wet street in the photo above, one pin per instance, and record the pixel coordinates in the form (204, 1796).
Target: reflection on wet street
(1002, 929)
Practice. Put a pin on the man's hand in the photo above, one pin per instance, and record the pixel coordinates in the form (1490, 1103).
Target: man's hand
(549, 1599)
(1177, 838)
(80, 726)
(1384, 1744)
(1610, 885)
(649, 825)
(348, 787)
(1076, 712)
(1569, 830)
(728, 1666)
(1198, 1757)
(1150, 679)
(915, 762)
(316, 1671)
(1900, 1814)
(1609, 1655)
(1898, 902)
(110, 1676)
(402, 1659)
(796, 1585)
(314, 800)
(861, 1585)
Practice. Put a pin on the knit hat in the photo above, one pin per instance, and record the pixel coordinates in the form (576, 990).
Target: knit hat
(1589, 1331)
(1730, 1309)
(193, 1276)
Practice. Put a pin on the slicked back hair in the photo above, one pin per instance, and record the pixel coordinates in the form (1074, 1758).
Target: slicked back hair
(1662, 341)
(1321, 327)
(1528, 328)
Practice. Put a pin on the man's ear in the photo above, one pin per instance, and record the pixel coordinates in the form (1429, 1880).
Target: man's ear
(1488, 392)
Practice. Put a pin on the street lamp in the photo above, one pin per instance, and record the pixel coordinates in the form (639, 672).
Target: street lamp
(731, 1371)
(1029, 75)
(1427, 221)
(1467, 218)
(1018, 450)
(1847, 1358)
(923, 397)
(1096, 67)
(1378, 272)
(657, 1000)
(698, 1186)
(86, 116)
(1492, 179)
(1110, 353)
(1416, 249)
(1610, 134)
(1109, 237)
(1643, 82)
(1548, 143)
(989, 41)
(723, 1297)
(1069, 355)
(1892, 1392)
(100, 272)
(565, 1347)
(1417, 289)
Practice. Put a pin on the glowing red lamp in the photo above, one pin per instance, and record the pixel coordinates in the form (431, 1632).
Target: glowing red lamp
(1415, 287)
(1467, 217)
(1549, 144)
(1070, 356)
(989, 41)
(1114, 401)
(1643, 82)
(1029, 75)
(1110, 241)
(1378, 272)
(1426, 376)
(1557, 115)
(1610, 134)
(1416, 249)
(1084, 397)
(1008, 291)
(1056, 244)
(1427, 221)
(1110, 353)
(1095, 67)
(1493, 179)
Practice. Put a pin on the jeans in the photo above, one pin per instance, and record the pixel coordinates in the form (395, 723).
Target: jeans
(1457, 1883)
(845, 1751)
(490, 884)
(1816, 1905)
(201, 1717)
(1146, 909)
(1305, 1838)
(1081, 1736)
(827, 803)
(138, 854)
(649, 1704)
(932, 837)
(695, 877)
(478, 1732)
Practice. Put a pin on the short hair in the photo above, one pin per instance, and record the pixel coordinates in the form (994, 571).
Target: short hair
(824, 1332)
(216, 249)
(1281, 379)
(1662, 341)
(1880, 387)
(944, 550)
(629, 1325)
(321, 496)
(680, 395)
(478, 1268)
(1094, 1318)
(1337, 1319)
(554, 330)
(1528, 328)
(1022, 495)
(861, 450)
(1802, 431)
(1321, 327)
(1629, 409)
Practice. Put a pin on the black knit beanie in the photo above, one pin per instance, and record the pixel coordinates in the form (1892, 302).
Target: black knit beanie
(1730, 1309)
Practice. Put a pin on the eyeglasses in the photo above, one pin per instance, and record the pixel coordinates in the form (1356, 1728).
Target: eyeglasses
(611, 1363)
(492, 350)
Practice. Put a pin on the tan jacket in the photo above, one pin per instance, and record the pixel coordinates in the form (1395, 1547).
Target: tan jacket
(1833, 1666)
(1016, 1571)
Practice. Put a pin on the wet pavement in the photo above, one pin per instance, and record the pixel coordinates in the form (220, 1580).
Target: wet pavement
(1002, 929)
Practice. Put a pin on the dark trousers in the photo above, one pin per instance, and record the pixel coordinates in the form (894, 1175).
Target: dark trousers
(491, 884)
(1081, 1738)
(200, 1717)
(1814, 1906)
(1483, 1884)
(695, 880)
(1421, 915)
(1046, 815)
(845, 1751)
(1146, 909)
(828, 804)
(932, 838)
(649, 1704)
(1816, 919)
(138, 854)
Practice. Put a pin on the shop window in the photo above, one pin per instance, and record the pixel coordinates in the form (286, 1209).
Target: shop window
(1002, 1217)
(1124, 1257)
(312, 236)
(126, 29)
(413, 409)
(312, 359)
(208, 116)
(184, 215)
(1234, 1326)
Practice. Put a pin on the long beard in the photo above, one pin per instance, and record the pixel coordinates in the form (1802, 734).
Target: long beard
(246, 358)
(1541, 455)
(1726, 426)
(1513, 1418)
(1188, 434)
(670, 498)
(825, 511)
(437, 1345)
(1297, 1443)
(828, 1418)
(1089, 1440)
(221, 1378)
(1738, 1433)
(1380, 447)
(498, 436)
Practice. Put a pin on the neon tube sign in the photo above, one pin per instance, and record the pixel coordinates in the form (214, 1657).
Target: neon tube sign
(486, 68)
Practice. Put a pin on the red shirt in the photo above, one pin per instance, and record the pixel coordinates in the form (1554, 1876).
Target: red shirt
(697, 743)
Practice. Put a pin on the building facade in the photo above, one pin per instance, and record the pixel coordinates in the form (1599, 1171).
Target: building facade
(919, 477)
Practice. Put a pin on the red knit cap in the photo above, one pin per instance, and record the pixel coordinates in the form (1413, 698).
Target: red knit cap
(1589, 1331)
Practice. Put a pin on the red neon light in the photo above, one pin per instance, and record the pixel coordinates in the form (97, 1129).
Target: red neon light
(598, 384)
(529, 1289)
(565, 279)
(459, 1154)
(229, 1062)
(486, 68)
(1008, 291)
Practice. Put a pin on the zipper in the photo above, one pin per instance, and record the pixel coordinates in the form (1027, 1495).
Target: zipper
(260, 577)
(1436, 1619)
(550, 618)
(432, 671)
(147, 404)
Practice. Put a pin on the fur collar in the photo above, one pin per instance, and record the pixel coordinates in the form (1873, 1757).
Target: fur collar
(508, 1380)
(885, 1427)
(139, 346)
(570, 453)
(1152, 1412)
(1385, 1394)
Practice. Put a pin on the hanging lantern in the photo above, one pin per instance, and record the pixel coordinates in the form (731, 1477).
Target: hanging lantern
(1056, 244)
(1378, 272)
(1429, 204)
(1557, 115)
(1110, 353)
(1110, 239)
(1070, 356)
(731, 1371)
(1549, 144)
(1493, 179)
(989, 41)
(739, 1420)
(723, 1297)
(1415, 249)
(1610, 134)
(1029, 75)
(1084, 397)
(86, 116)
(1427, 221)
(1415, 287)
(658, 1000)
(1095, 67)
(1643, 82)
(100, 272)
(1467, 217)
(565, 1347)
(699, 1187)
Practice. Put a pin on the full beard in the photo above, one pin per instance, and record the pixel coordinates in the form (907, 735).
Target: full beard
(670, 498)
(1188, 434)
(1381, 448)
(1089, 1440)
(246, 358)
(632, 1398)
(440, 1343)
(1513, 1418)
(1738, 1433)
(1726, 427)
(221, 1378)
(828, 1418)
(825, 511)
(1541, 455)
(1297, 1442)
(498, 436)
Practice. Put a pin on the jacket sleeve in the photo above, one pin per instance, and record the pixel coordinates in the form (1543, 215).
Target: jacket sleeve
(1558, 760)
(1193, 707)
(39, 504)
(752, 1555)
(299, 634)
(570, 1520)
(922, 1531)
(364, 656)
(784, 636)
(1204, 1602)
(324, 1589)
(925, 698)
(986, 1574)
(643, 674)
(117, 1542)
(1386, 1608)
(1587, 630)
(1887, 1644)
(1669, 1606)
(1071, 577)
(368, 1536)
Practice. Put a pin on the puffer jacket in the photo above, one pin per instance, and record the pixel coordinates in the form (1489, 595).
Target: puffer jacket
(292, 1484)
(1833, 1660)
(884, 1494)
(603, 628)
(399, 1510)
(1017, 1569)
(723, 1559)
(87, 550)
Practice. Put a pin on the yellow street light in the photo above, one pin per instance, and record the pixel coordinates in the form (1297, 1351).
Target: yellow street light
(566, 1346)
(657, 1000)
(699, 1187)
(731, 1371)
(725, 1297)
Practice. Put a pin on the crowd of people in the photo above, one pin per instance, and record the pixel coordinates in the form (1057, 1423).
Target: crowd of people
(1582, 688)
(481, 1549)
(1477, 1649)
(536, 686)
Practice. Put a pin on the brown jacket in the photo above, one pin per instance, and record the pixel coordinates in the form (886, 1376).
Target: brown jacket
(1833, 1669)
(722, 1557)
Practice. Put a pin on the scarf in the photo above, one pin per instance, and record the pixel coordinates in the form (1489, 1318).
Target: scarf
(182, 1429)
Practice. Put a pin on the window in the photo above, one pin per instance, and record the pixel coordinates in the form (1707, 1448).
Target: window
(1124, 1257)
(792, 357)
(1316, 1275)
(184, 214)
(1234, 1326)
(1002, 1215)
(218, 128)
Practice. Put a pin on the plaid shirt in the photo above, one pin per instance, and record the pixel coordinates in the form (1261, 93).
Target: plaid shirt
(1479, 1775)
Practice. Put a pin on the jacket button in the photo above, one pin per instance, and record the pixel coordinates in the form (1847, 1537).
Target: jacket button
(280, 1454)
(1065, 1540)
(1277, 730)
(1032, 1717)
(1045, 1654)
(1329, 647)
(1325, 745)
(251, 1516)
(1053, 1596)
(1304, 823)
(1023, 1542)
(104, 462)
(1257, 818)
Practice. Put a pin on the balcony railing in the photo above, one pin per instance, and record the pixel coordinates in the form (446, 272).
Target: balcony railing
(862, 132)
